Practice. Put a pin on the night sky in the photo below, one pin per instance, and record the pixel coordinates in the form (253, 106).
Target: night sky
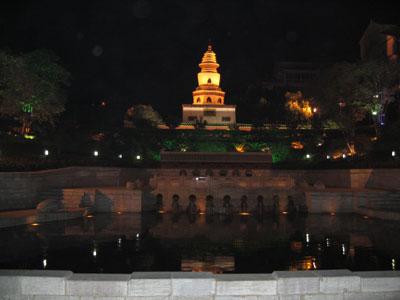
(142, 51)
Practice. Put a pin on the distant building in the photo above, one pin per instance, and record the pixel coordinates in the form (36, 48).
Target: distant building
(380, 41)
(292, 75)
(208, 98)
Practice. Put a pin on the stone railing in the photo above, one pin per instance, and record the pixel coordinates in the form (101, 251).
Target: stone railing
(300, 285)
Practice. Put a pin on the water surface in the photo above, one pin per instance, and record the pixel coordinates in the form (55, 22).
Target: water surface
(124, 243)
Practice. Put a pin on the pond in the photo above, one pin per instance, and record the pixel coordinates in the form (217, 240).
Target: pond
(128, 242)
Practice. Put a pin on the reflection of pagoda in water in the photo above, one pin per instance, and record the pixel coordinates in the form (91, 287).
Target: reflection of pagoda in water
(208, 98)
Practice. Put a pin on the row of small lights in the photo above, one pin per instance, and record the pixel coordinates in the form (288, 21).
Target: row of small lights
(308, 156)
(95, 153)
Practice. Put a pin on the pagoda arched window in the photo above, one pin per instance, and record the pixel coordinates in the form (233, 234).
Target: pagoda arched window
(208, 100)
(219, 100)
(198, 100)
(209, 80)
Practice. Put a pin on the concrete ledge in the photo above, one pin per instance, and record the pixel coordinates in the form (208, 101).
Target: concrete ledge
(24, 217)
(98, 285)
(193, 284)
(280, 285)
(334, 281)
(246, 284)
(379, 281)
(32, 282)
(150, 284)
(299, 282)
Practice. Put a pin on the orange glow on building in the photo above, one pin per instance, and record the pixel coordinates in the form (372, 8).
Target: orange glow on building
(297, 145)
(208, 91)
(208, 98)
(390, 45)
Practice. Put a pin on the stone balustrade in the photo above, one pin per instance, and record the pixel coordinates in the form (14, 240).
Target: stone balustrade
(299, 285)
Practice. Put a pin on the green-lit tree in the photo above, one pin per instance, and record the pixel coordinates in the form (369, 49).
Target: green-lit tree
(32, 87)
(380, 78)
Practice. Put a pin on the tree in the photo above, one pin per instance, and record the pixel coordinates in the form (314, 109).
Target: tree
(143, 116)
(379, 78)
(32, 87)
(299, 108)
(341, 98)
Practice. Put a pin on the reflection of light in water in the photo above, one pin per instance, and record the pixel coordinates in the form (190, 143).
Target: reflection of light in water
(202, 213)
(343, 249)
(332, 213)
(35, 224)
(365, 217)
(119, 242)
(118, 212)
(161, 211)
(245, 213)
(284, 212)
(393, 264)
(137, 236)
(44, 263)
(89, 216)
(307, 237)
(94, 252)
(328, 242)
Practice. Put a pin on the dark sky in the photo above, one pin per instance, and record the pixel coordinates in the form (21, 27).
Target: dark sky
(142, 51)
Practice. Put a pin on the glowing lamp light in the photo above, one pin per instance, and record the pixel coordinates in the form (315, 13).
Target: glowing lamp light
(332, 213)
(44, 263)
(382, 123)
(374, 113)
(244, 213)
(35, 224)
(161, 211)
(344, 155)
(393, 153)
(138, 157)
(307, 237)
(328, 157)
(89, 216)
(393, 264)
(308, 156)
(285, 212)
(365, 217)
(46, 152)
(202, 213)
(95, 153)
(315, 109)
(118, 212)
(94, 252)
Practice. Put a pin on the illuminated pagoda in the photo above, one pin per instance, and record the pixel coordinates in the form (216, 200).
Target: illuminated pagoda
(208, 98)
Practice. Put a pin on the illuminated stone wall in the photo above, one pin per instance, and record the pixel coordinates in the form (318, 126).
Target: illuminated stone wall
(305, 285)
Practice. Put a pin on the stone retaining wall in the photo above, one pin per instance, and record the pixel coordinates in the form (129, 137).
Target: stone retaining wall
(20, 190)
(280, 285)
